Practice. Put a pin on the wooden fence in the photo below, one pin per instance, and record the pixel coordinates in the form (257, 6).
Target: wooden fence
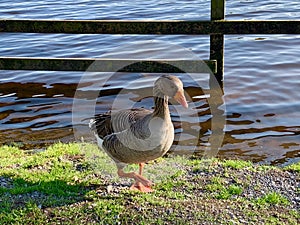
(217, 27)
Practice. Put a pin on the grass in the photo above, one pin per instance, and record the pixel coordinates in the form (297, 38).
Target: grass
(222, 191)
(77, 184)
(294, 167)
(237, 164)
(272, 198)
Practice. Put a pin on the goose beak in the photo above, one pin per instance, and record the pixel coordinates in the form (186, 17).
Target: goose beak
(180, 98)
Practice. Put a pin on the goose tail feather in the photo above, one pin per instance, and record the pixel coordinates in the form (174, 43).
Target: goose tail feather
(93, 127)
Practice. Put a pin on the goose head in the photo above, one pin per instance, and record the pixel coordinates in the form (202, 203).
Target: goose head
(171, 86)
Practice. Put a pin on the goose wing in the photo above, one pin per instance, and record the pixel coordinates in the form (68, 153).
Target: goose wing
(110, 123)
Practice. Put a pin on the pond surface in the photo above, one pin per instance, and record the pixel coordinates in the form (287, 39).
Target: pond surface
(261, 82)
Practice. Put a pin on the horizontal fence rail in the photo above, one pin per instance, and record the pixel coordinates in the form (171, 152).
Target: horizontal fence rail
(108, 65)
(150, 27)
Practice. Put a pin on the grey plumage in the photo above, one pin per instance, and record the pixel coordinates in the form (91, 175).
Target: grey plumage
(140, 135)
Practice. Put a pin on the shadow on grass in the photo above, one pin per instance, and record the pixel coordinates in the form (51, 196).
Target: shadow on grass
(17, 193)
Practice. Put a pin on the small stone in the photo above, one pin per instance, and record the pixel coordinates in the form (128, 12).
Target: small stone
(169, 211)
(139, 209)
(109, 188)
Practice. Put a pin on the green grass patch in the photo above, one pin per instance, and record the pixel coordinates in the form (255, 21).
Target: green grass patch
(68, 184)
(221, 190)
(228, 192)
(50, 175)
(294, 167)
(272, 198)
(237, 164)
(107, 211)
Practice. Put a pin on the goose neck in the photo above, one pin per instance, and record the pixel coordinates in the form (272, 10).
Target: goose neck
(161, 108)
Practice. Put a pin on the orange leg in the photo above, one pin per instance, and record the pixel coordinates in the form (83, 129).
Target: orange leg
(141, 167)
(141, 183)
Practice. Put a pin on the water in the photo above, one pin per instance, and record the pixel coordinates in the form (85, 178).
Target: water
(261, 86)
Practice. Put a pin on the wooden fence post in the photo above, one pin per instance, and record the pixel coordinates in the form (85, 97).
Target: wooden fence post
(217, 40)
(216, 88)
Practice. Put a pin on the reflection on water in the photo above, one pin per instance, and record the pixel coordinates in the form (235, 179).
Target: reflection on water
(34, 115)
(261, 85)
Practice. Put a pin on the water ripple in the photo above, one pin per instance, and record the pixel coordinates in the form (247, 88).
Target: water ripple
(261, 86)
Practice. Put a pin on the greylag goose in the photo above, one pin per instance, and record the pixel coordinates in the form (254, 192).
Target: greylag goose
(140, 135)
